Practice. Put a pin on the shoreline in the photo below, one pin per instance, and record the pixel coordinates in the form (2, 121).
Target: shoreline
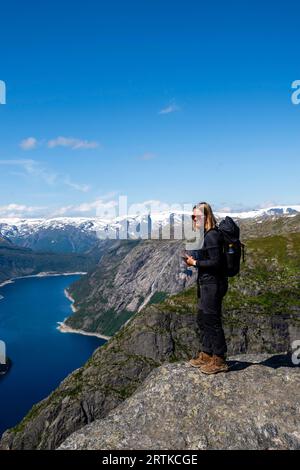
(63, 328)
(9, 281)
(41, 274)
(70, 298)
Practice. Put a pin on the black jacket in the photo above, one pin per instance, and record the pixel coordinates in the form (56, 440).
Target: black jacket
(210, 258)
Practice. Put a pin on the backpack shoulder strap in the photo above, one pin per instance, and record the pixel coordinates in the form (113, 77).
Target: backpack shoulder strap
(213, 246)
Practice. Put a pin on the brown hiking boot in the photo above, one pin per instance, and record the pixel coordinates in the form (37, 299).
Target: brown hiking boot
(217, 364)
(202, 359)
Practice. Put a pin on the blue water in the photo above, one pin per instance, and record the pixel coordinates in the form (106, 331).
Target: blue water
(41, 355)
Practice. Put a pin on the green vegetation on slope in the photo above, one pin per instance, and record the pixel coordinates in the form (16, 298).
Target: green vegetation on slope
(269, 281)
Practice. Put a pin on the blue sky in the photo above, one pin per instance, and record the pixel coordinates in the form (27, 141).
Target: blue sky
(157, 100)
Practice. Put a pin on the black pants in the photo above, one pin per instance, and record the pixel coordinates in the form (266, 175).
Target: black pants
(210, 317)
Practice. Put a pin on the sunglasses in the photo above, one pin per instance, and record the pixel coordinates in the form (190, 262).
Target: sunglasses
(194, 216)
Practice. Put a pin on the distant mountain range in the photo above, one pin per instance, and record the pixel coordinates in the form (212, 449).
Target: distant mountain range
(79, 235)
(16, 261)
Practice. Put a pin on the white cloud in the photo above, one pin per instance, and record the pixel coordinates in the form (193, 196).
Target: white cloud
(20, 210)
(79, 187)
(171, 108)
(268, 203)
(71, 142)
(29, 144)
(61, 211)
(224, 209)
(98, 204)
(104, 206)
(34, 168)
(86, 208)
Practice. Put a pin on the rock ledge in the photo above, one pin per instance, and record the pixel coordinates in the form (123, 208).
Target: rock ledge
(253, 406)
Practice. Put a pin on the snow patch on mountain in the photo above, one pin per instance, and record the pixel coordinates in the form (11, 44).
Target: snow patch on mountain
(20, 227)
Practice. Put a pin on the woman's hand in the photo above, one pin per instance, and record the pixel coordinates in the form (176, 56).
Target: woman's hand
(190, 261)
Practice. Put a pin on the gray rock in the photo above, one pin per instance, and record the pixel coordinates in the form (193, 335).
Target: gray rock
(253, 406)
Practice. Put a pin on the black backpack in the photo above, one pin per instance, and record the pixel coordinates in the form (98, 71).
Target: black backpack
(232, 246)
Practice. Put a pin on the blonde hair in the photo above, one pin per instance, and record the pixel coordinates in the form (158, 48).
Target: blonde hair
(209, 218)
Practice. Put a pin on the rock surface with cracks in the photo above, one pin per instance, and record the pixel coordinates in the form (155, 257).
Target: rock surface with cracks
(253, 406)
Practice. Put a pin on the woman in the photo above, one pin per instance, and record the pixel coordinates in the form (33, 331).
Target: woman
(212, 286)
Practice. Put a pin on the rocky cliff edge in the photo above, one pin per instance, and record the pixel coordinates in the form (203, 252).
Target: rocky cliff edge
(253, 406)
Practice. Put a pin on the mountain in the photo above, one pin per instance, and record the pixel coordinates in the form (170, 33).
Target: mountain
(54, 235)
(266, 226)
(261, 315)
(78, 234)
(177, 407)
(16, 261)
(271, 211)
(132, 274)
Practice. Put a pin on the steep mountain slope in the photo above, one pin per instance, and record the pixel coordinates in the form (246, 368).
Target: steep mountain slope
(129, 275)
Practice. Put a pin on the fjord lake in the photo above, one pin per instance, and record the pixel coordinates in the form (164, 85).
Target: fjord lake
(41, 355)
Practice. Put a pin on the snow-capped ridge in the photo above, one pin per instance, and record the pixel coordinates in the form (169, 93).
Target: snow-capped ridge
(22, 226)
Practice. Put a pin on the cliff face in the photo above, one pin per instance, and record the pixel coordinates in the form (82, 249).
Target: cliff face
(253, 406)
(129, 275)
(159, 334)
